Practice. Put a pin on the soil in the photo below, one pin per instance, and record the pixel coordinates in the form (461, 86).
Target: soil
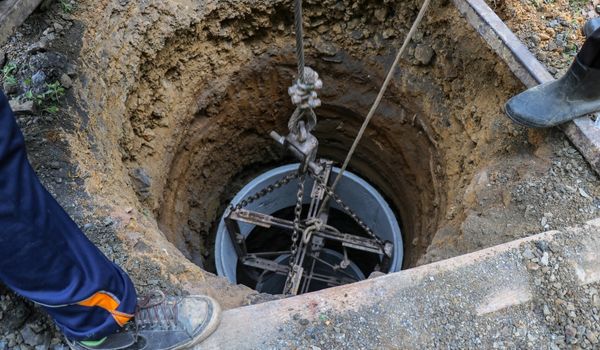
(171, 102)
(552, 30)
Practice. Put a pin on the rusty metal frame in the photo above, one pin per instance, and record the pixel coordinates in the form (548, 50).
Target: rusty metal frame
(584, 136)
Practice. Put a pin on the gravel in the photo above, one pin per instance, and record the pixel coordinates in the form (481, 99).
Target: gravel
(562, 314)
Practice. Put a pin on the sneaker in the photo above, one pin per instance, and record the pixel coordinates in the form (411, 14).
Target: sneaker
(162, 323)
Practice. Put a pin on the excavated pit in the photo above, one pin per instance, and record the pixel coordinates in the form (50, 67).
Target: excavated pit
(397, 156)
(192, 109)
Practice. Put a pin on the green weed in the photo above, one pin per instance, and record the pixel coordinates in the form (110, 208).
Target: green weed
(50, 97)
(8, 73)
(66, 6)
(53, 109)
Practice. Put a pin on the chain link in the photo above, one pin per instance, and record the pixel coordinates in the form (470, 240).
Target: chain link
(330, 192)
(297, 231)
(280, 183)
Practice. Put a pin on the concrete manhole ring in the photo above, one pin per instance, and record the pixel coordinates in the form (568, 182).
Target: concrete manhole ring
(362, 197)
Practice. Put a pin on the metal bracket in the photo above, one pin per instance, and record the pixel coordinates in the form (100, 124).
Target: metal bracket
(303, 146)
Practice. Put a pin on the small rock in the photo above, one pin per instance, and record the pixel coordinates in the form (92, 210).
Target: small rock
(424, 54)
(26, 107)
(71, 70)
(58, 27)
(528, 254)
(10, 89)
(546, 310)
(584, 194)
(107, 222)
(544, 260)
(39, 46)
(381, 14)
(66, 81)
(388, 33)
(356, 34)
(2, 58)
(543, 246)
(31, 338)
(304, 322)
(50, 37)
(54, 165)
(39, 78)
(325, 48)
(592, 336)
(544, 36)
(570, 331)
(141, 182)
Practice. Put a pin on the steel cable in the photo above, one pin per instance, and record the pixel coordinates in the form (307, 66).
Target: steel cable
(375, 105)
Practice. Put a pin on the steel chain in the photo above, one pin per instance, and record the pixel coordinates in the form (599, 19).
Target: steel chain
(297, 230)
(330, 192)
(270, 188)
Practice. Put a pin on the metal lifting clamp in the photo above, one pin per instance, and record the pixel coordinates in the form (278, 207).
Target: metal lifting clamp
(300, 141)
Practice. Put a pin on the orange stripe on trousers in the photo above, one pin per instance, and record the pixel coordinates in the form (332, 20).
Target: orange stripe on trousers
(108, 303)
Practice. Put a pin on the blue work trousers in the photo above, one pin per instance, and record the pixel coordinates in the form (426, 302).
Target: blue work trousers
(44, 256)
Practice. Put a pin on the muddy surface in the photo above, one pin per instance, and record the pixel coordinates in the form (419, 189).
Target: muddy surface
(168, 106)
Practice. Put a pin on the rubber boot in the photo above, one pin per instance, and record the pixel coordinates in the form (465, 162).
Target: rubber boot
(574, 95)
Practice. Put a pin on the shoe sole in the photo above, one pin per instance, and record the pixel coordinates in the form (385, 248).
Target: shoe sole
(525, 123)
(213, 323)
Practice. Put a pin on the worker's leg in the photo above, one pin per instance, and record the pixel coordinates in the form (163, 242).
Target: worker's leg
(46, 258)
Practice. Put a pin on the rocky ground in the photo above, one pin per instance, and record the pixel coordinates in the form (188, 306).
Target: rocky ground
(564, 313)
(550, 29)
(542, 183)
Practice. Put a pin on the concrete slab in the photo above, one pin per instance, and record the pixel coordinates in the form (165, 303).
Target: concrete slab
(13, 13)
(400, 309)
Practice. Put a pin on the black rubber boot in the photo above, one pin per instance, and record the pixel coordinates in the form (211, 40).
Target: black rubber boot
(574, 95)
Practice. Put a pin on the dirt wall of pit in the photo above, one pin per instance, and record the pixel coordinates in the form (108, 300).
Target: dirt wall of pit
(177, 98)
